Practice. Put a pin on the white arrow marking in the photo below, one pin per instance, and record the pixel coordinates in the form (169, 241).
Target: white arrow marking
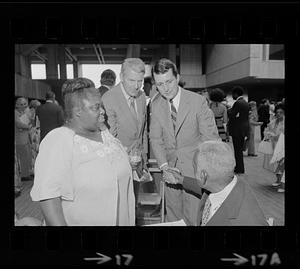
(238, 261)
(101, 259)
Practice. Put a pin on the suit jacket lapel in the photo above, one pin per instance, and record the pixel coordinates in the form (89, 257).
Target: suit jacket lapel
(124, 106)
(166, 116)
(183, 110)
(230, 207)
(140, 108)
(141, 113)
(220, 218)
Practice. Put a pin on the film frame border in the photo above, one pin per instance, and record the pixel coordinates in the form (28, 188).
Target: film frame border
(267, 29)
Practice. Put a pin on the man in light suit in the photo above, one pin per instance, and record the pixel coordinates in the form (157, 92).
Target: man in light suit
(50, 115)
(238, 126)
(125, 106)
(180, 119)
(228, 200)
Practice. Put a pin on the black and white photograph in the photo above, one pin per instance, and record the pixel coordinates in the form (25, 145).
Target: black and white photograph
(149, 134)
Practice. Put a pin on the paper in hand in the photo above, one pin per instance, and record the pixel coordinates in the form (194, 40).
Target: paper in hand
(173, 223)
(144, 177)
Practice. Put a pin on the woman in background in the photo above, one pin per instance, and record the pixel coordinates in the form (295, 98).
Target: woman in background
(272, 132)
(18, 183)
(35, 130)
(216, 97)
(253, 122)
(22, 138)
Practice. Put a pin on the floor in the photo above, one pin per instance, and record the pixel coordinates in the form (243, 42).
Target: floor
(259, 178)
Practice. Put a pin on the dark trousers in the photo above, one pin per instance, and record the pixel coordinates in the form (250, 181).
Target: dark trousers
(262, 129)
(238, 144)
(136, 190)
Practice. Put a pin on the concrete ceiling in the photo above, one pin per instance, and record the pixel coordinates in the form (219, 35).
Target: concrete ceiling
(87, 53)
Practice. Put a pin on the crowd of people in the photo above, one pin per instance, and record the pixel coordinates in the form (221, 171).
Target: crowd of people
(32, 122)
(88, 158)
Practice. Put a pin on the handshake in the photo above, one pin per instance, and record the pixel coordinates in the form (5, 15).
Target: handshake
(172, 175)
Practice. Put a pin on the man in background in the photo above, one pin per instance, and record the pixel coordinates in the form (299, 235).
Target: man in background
(264, 115)
(238, 126)
(107, 81)
(50, 115)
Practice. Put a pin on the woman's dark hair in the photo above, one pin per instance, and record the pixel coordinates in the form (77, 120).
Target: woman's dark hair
(73, 91)
(279, 106)
(216, 95)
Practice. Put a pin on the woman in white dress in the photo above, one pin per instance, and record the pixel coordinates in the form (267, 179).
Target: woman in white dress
(272, 132)
(82, 173)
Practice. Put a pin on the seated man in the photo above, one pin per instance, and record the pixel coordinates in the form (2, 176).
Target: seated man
(228, 201)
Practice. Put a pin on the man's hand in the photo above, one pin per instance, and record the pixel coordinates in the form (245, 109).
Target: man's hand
(169, 178)
(176, 174)
(168, 175)
(135, 165)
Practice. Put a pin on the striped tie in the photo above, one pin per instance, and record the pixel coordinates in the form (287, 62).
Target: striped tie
(173, 114)
(132, 107)
(206, 212)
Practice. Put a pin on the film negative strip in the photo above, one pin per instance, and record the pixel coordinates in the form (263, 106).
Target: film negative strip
(152, 23)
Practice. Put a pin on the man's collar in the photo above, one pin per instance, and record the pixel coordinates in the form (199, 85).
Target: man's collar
(177, 96)
(221, 195)
(127, 96)
(240, 97)
(49, 101)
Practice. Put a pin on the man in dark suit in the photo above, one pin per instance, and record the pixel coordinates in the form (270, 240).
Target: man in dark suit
(264, 115)
(227, 200)
(108, 80)
(238, 126)
(50, 115)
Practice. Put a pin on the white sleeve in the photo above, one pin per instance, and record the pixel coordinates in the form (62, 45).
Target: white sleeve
(53, 167)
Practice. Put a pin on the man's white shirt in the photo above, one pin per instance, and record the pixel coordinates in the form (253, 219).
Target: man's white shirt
(127, 97)
(176, 100)
(218, 198)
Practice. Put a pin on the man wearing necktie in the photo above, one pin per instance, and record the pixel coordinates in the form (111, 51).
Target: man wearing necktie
(125, 106)
(227, 200)
(180, 120)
